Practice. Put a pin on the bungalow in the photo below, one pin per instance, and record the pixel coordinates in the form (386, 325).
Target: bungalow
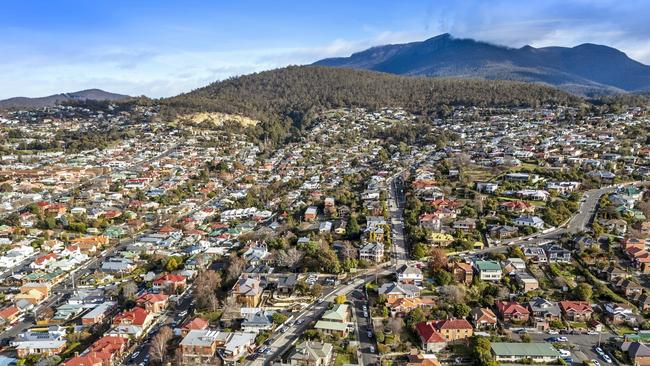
(483, 318)
(98, 314)
(153, 303)
(440, 239)
(512, 311)
(535, 254)
(312, 354)
(530, 221)
(255, 322)
(335, 320)
(576, 311)
(520, 207)
(526, 282)
(556, 254)
(311, 213)
(401, 307)
(503, 231)
(9, 315)
(506, 352)
(395, 290)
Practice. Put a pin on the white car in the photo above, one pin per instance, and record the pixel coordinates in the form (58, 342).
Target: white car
(365, 314)
(599, 351)
(553, 332)
(592, 332)
(595, 362)
(607, 358)
(562, 339)
(372, 350)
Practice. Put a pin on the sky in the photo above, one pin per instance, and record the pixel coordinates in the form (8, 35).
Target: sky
(162, 48)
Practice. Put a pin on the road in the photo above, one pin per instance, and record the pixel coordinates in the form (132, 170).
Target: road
(281, 342)
(396, 207)
(362, 326)
(582, 346)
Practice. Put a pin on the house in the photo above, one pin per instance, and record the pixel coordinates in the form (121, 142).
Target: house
(236, 347)
(373, 252)
(9, 315)
(503, 231)
(535, 254)
(46, 342)
(576, 311)
(440, 239)
(170, 283)
(33, 292)
(618, 313)
(464, 224)
(286, 284)
(616, 226)
(395, 290)
(401, 307)
(531, 221)
(543, 309)
(430, 338)
(98, 314)
(520, 207)
(462, 272)
(257, 321)
(153, 303)
(526, 282)
(200, 346)
(197, 323)
(454, 329)
(311, 354)
(489, 270)
(512, 311)
(311, 213)
(335, 320)
(483, 318)
(514, 265)
(556, 254)
(638, 353)
(507, 352)
(430, 221)
(247, 291)
(408, 274)
(137, 316)
(628, 287)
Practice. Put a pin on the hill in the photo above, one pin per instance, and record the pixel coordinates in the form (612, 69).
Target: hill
(285, 100)
(587, 69)
(52, 100)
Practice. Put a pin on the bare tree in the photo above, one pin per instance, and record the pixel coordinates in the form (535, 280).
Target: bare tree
(129, 290)
(452, 294)
(159, 344)
(205, 287)
(236, 266)
(288, 258)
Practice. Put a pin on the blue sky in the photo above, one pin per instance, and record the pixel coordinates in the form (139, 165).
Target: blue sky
(161, 48)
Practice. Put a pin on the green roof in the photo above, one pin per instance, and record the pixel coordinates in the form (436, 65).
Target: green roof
(323, 324)
(524, 349)
(488, 265)
(337, 313)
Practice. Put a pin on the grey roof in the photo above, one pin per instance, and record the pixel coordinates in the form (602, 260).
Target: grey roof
(540, 305)
(394, 287)
(204, 337)
(311, 351)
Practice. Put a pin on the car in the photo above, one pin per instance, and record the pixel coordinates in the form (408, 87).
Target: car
(607, 358)
(551, 339)
(267, 351)
(372, 349)
(182, 313)
(135, 355)
(299, 321)
(592, 332)
(553, 332)
(599, 351)
(564, 352)
(595, 362)
(365, 314)
(562, 339)
(365, 308)
(369, 334)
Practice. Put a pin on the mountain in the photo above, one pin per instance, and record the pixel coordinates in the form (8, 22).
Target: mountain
(285, 100)
(587, 69)
(90, 94)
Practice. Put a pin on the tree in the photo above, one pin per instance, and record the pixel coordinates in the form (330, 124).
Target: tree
(236, 266)
(353, 227)
(205, 286)
(158, 350)
(420, 251)
(583, 292)
(461, 310)
(279, 318)
(340, 299)
(128, 291)
(443, 278)
(437, 259)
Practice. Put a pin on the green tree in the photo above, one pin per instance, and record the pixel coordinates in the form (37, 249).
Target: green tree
(279, 318)
(583, 292)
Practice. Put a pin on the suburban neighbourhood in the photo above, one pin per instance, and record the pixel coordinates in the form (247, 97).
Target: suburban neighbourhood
(500, 236)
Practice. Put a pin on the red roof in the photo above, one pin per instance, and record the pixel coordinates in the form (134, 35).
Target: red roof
(8, 312)
(89, 359)
(428, 333)
(576, 306)
(196, 324)
(109, 344)
(135, 316)
(169, 277)
(151, 298)
(511, 307)
(453, 324)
